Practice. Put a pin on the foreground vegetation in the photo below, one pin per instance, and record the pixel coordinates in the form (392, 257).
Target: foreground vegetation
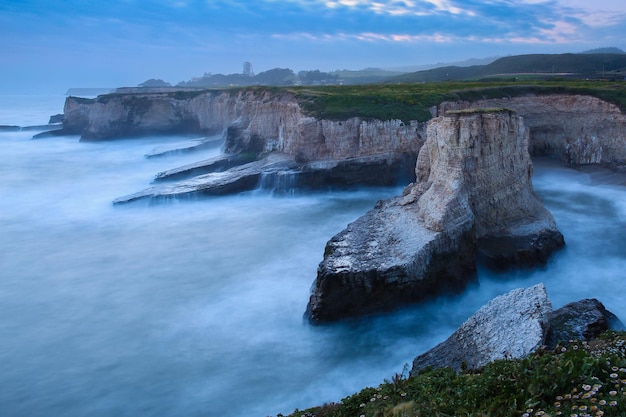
(575, 379)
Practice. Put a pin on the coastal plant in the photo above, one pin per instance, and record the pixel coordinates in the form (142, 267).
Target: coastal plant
(576, 378)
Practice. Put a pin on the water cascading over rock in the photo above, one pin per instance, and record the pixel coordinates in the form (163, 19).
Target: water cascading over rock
(473, 197)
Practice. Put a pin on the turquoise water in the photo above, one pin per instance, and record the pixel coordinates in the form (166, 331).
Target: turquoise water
(194, 307)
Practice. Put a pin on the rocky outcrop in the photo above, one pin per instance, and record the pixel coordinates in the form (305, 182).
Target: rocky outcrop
(582, 320)
(237, 179)
(473, 195)
(510, 326)
(515, 324)
(575, 129)
(276, 171)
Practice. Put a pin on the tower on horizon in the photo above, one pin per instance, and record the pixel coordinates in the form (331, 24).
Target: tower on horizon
(247, 69)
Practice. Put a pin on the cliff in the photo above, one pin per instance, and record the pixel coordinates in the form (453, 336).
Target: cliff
(256, 123)
(259, 120)
(473, 195)
(576, 129)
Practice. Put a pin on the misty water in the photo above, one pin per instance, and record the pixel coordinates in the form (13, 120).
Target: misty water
(194, 307)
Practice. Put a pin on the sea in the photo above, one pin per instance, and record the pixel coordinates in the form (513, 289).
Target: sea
(194, 307)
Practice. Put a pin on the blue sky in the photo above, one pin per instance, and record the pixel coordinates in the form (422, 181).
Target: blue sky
(52, 45)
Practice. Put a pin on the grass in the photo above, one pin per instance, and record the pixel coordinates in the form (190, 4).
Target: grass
(575, 379)
(413, 101)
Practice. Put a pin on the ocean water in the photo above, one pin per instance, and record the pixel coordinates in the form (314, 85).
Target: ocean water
(194, 307)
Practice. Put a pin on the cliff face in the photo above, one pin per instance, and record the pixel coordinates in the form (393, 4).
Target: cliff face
(256, 120)
(573, 128)
(473, 195)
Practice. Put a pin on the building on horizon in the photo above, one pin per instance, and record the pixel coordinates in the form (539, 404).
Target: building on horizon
(247, 69)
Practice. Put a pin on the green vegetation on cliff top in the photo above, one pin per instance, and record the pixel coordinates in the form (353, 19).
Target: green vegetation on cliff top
(575, 379)
(413, 101)
(406, 102)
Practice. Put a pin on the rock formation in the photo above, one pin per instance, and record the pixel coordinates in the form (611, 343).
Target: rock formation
(255, 124)
(575, 129)
(510, 326)
(473, 194)
(582, 320)
(256, 121)
(515, 324)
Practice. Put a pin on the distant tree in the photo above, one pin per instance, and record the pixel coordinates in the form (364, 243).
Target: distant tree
(317, 77)
(153, 82)
(276, 76)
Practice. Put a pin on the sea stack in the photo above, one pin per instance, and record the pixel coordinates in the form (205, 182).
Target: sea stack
(473, 197)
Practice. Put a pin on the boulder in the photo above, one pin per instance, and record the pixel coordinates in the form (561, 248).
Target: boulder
(473, 195)
(509, 326)
(582, 320)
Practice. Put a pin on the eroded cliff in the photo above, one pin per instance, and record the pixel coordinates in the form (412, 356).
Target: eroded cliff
(576, 129)
(473, 195)
(258, 120)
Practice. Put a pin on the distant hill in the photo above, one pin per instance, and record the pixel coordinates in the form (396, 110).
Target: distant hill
(610, 50)
(534, 66)
(466, 63)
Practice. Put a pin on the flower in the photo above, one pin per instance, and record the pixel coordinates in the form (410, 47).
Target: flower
(613, 403)
(613, 375)
(612, 393)
(586, 387)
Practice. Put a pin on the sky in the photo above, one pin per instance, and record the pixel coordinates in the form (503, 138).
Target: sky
(53, 45)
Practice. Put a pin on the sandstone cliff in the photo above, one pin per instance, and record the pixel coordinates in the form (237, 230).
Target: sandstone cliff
(258, 120)
(473, 195)
(255, 123)
(575, 129)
